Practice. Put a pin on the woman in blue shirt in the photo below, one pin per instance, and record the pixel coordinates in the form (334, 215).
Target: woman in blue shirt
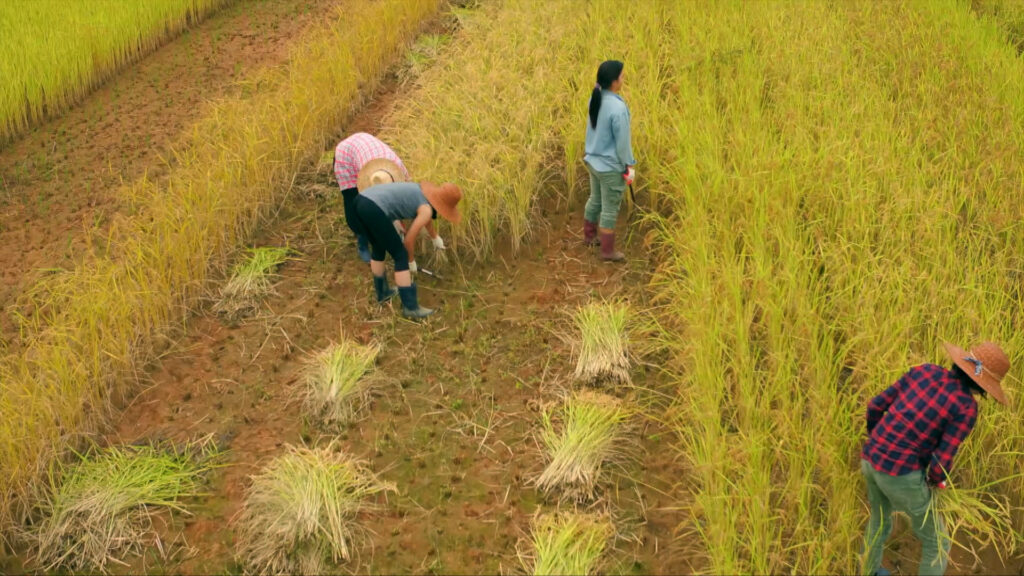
(609, 159)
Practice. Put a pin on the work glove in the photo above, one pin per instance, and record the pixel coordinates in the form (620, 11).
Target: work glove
(629, 175)
(413, 267)
(438, 243)
(400, 229)
(941, 485)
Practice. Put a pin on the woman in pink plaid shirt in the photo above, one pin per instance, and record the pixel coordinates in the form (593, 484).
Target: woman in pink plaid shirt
(350, 156)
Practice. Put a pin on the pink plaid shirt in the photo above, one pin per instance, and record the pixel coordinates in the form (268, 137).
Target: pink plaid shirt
(354, 152)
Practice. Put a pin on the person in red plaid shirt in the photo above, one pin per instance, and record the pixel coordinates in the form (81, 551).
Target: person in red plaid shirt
(350, 156)
(914, 430)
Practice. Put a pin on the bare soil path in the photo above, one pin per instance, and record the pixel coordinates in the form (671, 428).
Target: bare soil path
(455, 425)
(60, 181)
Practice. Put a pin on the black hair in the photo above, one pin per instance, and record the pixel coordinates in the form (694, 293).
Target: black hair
(608, 72)
(967, 380)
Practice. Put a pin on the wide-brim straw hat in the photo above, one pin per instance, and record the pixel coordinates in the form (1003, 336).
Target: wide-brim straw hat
(986, 364)
(445, 199)
(378, 171)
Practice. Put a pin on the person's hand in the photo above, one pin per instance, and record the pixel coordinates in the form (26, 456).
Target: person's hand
(413, 267)
(438, 243)
(629, 175)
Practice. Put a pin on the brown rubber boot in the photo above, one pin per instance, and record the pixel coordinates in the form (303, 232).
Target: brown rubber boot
(608, 252)
(589, 233)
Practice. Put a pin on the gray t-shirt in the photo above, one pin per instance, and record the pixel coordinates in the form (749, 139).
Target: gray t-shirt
(398, 200)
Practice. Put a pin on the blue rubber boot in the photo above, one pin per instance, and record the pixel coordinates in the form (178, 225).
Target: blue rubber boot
(882, 572)
(410, 305)
(384, 293)
(363, 247)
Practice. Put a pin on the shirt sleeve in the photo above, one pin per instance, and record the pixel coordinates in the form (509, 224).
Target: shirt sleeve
(879, 404)
(957, 428)
(623, 138)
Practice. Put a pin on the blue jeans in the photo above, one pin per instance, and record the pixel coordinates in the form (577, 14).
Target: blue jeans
(911, 495)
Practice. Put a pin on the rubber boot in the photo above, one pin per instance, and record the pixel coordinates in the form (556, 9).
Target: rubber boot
(589, 233)
(380, 284)
(608, 252)
(363, 247)
(410, 305)
(883, 572)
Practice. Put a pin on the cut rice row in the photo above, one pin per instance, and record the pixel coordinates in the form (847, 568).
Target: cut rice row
(582, 436)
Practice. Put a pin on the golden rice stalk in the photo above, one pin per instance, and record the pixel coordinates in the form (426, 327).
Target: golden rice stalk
(984, 518)
(584, 434)
(603, 342)
(300, 514)
(100, 508)
(250, 281)
(567, 543)
(336, 384)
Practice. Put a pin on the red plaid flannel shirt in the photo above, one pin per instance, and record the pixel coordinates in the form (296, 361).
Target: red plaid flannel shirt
(354, 152)
(919, 422)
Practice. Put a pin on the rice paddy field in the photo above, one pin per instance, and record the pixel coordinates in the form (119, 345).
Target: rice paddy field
(194, 377)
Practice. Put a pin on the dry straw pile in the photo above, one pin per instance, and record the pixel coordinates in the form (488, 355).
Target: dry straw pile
(300, 513)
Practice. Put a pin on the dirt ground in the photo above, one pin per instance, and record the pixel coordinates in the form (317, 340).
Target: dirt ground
(60, 182)
(454, 425)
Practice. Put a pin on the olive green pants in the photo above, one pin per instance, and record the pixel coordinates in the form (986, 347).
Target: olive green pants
(911, 495)
(606, 190)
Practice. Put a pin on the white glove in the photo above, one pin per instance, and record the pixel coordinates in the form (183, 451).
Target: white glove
(629, 175)
(438, 243)
(400, 229)
(413, 267)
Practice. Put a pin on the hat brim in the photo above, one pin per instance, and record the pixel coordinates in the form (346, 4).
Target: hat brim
(985, 379)
(363, 180)
(449, 213)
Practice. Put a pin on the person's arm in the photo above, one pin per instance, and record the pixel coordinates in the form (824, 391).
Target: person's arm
(879, 404)
(623, 138)
(960, 424)
(423, 216)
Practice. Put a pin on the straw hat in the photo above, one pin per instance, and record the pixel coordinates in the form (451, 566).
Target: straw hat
(445, 199)
(379, 171)
(986, 364)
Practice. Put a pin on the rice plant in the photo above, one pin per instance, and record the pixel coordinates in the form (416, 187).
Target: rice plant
(567, 543)
(580, 437)
(250, 281)
(603, 344)
(300, 514)
(975, 515)
(336, 382)
(100, 508)
(52, 53)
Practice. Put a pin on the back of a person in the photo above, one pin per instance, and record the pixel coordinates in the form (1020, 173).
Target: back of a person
(912, 426)
(600, 144)
(352, 153)
(398, 200)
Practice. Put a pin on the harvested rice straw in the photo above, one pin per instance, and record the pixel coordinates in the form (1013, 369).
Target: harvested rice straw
(250, 281)
(583, 436)
(568, 543)
(603, 342)
(336, 384)
(99, 510)
(299, 515)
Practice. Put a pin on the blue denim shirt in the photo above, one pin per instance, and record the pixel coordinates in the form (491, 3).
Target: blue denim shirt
(609, 147)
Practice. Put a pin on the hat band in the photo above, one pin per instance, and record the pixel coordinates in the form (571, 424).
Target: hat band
(979, 367)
